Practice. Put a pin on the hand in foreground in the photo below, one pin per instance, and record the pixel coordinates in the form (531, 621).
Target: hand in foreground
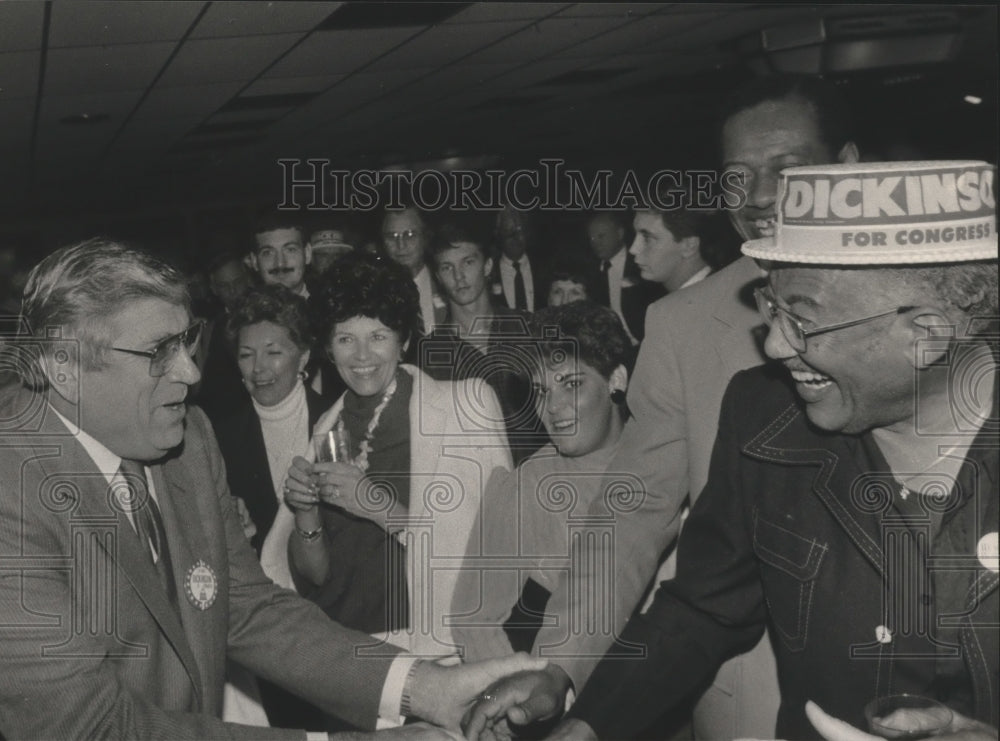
(300, 493)
(519, 699)
(442, 694)
(409, 732)
(833, 729)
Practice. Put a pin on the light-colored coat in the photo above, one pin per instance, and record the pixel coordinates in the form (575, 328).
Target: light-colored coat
(457, 439)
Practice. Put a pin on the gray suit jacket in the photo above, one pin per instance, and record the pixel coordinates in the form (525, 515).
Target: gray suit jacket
(89, 643)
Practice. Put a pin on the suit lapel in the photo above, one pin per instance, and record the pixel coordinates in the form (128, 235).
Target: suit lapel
(97, 503)
(186, 540)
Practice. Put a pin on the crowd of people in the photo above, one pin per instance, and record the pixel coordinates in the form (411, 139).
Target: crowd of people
(437, 481)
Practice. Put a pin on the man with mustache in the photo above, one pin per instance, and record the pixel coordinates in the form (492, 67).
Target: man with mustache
(281, 252)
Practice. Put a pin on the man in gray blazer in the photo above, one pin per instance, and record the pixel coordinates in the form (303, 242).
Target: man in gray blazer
(126, 580)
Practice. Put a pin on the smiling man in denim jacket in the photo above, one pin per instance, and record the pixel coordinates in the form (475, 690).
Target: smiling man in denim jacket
(851, 506)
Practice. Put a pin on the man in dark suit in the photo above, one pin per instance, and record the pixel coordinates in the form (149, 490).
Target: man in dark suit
(126, 580)
(520, 276)
(619, 284)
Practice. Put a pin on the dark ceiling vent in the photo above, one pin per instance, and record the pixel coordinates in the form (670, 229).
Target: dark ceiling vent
(261, 102)
(585, 77)
(355, 15)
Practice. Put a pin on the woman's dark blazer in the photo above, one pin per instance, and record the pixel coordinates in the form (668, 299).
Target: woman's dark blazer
(241, 441)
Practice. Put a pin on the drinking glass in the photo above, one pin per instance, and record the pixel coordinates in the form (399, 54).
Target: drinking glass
(332, 445)
(907, 716)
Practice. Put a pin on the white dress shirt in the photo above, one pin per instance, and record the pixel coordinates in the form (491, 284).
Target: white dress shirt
(507, 274)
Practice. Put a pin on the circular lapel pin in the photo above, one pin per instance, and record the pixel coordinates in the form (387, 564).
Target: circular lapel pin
(201, 585)
(988, 551)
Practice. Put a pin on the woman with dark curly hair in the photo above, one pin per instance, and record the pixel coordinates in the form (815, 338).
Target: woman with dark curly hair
(581, 372)
(368, 529)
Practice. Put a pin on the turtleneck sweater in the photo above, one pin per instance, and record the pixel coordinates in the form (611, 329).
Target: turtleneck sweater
(286, 433)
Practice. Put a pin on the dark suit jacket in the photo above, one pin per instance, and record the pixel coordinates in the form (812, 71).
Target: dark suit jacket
(89, 643)
(637, 295)
(242, 444)
(802, 530)
(541, 275)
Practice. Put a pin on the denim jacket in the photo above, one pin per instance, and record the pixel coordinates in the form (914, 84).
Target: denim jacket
(800, 531)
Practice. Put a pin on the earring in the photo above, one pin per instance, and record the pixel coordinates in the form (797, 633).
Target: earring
(618, 397)
(303, 375)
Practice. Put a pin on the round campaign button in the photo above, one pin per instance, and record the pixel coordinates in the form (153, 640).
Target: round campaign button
(988, 551)
(201, 585)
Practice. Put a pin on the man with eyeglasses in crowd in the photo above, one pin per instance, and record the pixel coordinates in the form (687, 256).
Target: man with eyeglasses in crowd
(852, 500)
(405, 237)
(126, 580)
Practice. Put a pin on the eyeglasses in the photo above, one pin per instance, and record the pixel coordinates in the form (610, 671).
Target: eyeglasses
(791, 325)
(162, 357)
(408, 236)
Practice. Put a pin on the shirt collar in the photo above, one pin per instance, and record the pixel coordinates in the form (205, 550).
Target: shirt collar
(618, 261)
(107, 462)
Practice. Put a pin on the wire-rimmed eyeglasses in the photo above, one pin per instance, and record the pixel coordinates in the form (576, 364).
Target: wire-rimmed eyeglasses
(161, 357)
(791, 326)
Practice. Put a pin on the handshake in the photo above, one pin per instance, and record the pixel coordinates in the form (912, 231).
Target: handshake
(484, 701)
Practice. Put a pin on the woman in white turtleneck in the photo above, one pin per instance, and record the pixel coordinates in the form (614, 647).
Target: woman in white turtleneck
(272, 337)
(271, 334)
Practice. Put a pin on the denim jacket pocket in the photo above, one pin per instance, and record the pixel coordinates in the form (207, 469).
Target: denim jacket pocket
(789, 567)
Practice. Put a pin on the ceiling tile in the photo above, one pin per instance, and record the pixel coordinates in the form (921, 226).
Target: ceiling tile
(626, 10)
(16, 118)
(22, 25)
(658, 30)
(291, 85)
(153, 134)
(179, 101)
(335, 52)
(112, 22)
(492, 11)
(221, 60)
(545, 37)
(19, 76)
(446, 43)
(104, 68)
(249, 19)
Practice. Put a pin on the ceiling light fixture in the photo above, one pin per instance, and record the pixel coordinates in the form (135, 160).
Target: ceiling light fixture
(973, 99)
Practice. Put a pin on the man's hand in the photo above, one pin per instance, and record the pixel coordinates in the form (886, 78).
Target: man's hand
(409, 732)
(442, 694)
(519, 699)
(833, 729)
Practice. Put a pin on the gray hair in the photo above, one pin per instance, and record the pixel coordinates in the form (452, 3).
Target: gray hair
(73, 291)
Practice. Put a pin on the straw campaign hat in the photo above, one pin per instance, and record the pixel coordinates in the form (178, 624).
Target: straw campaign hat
(884, 213)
